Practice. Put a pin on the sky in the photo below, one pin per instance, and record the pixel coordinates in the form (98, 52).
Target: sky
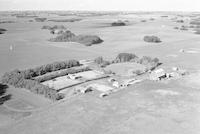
(102, 5)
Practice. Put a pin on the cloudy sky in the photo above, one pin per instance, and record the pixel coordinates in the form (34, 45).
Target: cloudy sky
(127, 5)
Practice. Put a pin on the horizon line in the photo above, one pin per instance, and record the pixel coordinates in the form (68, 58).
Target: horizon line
(100, 10)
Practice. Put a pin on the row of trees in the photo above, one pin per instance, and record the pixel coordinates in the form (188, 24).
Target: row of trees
(149, 62)
(145, 60)
(24, 78)
(41, 70)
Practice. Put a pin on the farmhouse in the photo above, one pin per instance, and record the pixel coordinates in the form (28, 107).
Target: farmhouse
(116, 84)
(158, 74)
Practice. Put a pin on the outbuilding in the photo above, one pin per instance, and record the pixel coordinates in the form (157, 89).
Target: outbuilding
(158, 74)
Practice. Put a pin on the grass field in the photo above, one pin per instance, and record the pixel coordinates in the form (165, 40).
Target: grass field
(169, 107)
(125, 68)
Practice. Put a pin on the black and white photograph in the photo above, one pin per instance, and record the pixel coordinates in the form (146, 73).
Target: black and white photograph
(99, 67)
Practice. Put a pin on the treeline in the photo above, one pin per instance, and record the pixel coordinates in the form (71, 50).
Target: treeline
(145, 60)
(4, 96)
(41, 70)
(24, 78)
(149, 62)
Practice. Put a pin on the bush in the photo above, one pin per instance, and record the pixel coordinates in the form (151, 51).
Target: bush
(153, 39)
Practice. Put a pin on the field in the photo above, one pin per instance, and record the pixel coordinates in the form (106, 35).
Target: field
(164, 107)
(60, 83)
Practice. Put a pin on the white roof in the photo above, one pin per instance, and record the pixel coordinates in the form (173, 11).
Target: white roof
(160, 70)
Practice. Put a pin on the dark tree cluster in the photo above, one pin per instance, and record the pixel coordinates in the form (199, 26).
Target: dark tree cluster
(145, 60)
(3, 95)
(40, 19)
(68, 36)
(24, 78)
(57, 29)
(180, 21)
(125, 57)
(53, 27)
(118, 23)
(2, 31)
(65, 20)
(6, 21)
(152, 39)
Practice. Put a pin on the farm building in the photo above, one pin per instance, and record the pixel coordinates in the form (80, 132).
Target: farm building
(84, 62)
(116, 84)
(101, 87)
(74, 76)
(131, 81)
(158, 74)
